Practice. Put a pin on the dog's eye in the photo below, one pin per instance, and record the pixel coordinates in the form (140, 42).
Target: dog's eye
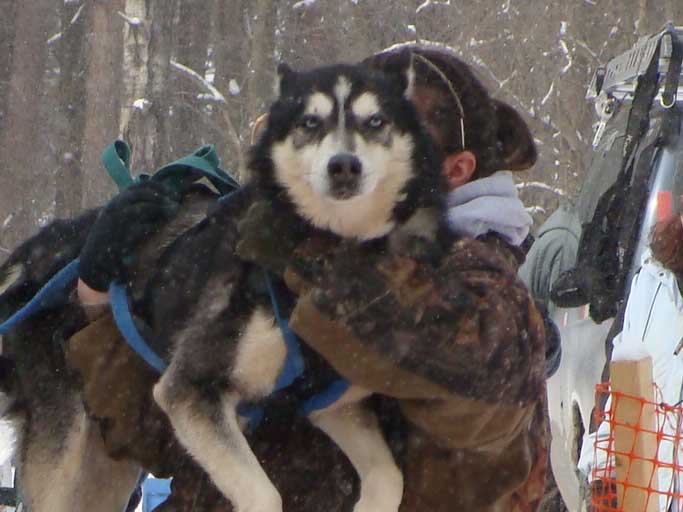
(311, 122)
(375, 122)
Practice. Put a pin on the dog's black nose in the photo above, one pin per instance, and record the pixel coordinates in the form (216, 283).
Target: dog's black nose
(344, 171)
(344, 166)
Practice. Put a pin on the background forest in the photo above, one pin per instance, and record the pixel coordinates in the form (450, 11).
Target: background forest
(170, 75)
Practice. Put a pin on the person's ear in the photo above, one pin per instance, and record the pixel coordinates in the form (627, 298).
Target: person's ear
(517, 147)
(459, 168)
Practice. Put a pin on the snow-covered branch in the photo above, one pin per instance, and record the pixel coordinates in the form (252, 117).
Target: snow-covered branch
(199, 79)
(219, 99)
(53, 39)
(428, 3)
(303, 4)
(542, 186)
(133, 21)
(550, 91)
(567, 54)
(77, 15)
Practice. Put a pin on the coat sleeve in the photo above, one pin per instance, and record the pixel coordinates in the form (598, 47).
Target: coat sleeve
(459, 344)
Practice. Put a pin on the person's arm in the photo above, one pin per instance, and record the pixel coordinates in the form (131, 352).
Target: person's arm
(460, 345)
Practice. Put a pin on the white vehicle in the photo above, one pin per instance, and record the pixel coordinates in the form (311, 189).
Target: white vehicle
(649, 182)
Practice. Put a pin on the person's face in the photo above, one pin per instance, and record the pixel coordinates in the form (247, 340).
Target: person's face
(440, 117)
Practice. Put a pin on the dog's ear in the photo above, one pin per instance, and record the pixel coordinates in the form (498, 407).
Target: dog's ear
(517, 147)
(286, 77)
(400, 70)
(408, 74)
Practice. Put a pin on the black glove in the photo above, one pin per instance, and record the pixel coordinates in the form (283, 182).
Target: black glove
(124, 223)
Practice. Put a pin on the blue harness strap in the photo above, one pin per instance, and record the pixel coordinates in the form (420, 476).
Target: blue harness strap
(202, 163)
(52, 294)
(325, 398)
(124, 321)
(294, 362)
(291, 370)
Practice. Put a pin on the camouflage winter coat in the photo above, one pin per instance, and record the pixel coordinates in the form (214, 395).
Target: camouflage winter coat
(460, 346)
(455, 353)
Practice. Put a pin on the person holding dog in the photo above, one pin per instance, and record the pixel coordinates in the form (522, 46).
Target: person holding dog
(463, 409)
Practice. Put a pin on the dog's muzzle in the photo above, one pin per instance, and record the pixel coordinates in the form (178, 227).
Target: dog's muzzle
(345, 172)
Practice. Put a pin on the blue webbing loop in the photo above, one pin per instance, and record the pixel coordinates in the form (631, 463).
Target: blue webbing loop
(52, 294)
(294, 362)
(254, 414)
(118, 300)
(325, 398)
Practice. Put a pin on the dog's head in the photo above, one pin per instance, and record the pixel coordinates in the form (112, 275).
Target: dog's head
(346, 148)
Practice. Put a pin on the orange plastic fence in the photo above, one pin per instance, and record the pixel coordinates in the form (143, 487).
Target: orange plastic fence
(666, 463)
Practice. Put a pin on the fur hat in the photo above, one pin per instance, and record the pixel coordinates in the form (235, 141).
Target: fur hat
(494, 131)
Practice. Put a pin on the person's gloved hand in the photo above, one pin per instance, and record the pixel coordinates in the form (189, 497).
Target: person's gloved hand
(125, 222)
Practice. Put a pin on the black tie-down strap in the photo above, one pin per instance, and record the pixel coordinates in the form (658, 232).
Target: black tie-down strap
(609, 239)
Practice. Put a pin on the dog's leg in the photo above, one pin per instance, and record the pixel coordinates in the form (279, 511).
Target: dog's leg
(356, 431)
(209, 430)
(75, 474)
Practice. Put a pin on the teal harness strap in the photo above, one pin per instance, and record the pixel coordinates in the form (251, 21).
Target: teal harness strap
(203, 163)
(116, 160)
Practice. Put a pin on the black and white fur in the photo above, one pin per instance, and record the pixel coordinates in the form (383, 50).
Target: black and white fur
(343, 153)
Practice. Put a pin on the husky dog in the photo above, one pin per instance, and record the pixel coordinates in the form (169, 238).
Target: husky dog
(343, 155)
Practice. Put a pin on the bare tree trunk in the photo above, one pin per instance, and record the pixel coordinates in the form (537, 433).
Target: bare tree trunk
(69, 53)
(103, 88)
(161, 15)
(135, 105)
(232, 57)
(6, 45)
(23, 168)
(147, 55)
(192, 40)
(262, 16)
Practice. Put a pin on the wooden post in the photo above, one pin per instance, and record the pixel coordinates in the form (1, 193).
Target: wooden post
(631, 417)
